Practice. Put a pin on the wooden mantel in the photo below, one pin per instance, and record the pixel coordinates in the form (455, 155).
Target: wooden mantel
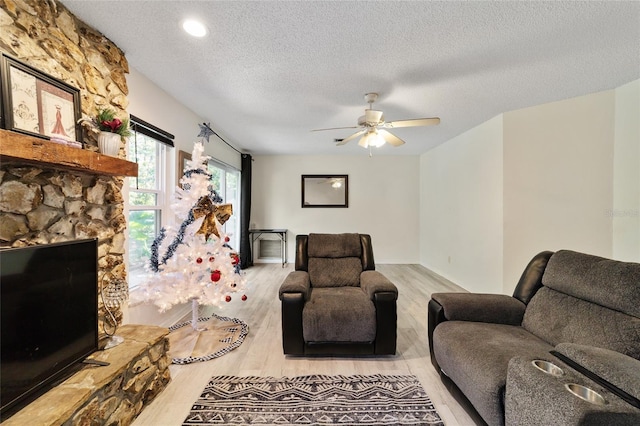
(17, 148)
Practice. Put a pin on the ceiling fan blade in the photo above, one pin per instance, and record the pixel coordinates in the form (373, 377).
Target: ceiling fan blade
(335, 128)
(413, 123)
(353, 136)
(372, 116)
(391, 138)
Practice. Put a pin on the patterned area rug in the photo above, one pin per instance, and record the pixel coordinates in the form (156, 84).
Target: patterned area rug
(314, 400)
(218, 336)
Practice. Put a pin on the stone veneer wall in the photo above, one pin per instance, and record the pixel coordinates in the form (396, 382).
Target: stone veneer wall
(39, 206)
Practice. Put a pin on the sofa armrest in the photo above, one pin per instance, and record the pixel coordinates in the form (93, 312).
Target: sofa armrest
(373, 282)
(617, 372)
(296, 282)
(491, 308)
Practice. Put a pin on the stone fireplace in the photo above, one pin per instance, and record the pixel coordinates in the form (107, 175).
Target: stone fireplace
(43, 202)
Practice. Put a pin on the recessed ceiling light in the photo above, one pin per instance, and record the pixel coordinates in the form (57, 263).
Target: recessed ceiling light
(195, 28)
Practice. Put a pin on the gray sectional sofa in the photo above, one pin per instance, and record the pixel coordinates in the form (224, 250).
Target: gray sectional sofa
(579, 313)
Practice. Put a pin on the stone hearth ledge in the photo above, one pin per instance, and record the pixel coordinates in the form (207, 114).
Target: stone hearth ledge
(114, 394)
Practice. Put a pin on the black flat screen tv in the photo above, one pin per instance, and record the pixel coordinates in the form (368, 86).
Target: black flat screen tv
(48, 317)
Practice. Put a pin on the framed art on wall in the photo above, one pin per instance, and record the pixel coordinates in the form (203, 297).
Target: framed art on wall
(37, 104)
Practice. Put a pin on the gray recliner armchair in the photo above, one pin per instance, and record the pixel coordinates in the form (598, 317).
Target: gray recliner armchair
(335, 302)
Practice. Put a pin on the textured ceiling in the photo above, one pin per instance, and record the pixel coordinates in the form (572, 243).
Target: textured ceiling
(270, 71)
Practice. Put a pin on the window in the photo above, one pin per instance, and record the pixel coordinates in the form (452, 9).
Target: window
(226, 180)
(146, 194)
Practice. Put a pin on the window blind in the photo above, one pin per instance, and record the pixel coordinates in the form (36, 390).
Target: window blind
(141, 126)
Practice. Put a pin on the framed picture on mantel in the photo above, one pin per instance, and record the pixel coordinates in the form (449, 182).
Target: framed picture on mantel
(37, 104)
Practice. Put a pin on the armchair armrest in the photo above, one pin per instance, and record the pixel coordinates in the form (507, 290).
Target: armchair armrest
(294, 291)
(373, 282)
(384, 295)
(491, 308)
(296, 282)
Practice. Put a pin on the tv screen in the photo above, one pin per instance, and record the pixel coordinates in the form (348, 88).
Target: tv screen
(48, 316)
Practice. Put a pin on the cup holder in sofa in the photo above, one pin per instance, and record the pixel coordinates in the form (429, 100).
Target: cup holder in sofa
(547, 367)
(585, 393)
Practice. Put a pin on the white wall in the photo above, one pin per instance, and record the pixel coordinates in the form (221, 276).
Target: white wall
(626, 174)
(461, 208)
(558, 180)
(559, 175)
(152, 104)
(383, 200)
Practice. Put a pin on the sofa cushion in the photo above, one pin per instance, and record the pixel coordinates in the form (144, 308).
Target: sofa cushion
(326, 272)
(609, 283)
(329, 308)
(334, 245)
(556, 318)
(476, 356)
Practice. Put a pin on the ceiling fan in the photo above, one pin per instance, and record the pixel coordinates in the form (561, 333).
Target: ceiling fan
(373, 127)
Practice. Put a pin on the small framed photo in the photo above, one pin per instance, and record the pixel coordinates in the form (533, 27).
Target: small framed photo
(37, 104)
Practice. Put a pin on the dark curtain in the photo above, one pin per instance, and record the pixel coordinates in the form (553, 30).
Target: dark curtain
(246, 257)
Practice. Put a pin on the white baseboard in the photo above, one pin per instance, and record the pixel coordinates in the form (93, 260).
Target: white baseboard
(268, 260)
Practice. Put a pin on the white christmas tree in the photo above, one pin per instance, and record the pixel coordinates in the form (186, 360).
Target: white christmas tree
(191, 260)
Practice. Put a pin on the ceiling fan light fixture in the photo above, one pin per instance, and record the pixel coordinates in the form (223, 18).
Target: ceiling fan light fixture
(364, 141)
(376, 139)
(372, 138)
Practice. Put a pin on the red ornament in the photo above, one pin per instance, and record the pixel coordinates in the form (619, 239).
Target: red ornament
(227, 239)
(235, 260)
(215, 276)
(211, 259)
(244, 297)
(199, 260)
(228, 298)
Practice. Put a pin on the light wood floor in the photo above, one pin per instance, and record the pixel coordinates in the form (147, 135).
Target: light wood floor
(261, 353)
